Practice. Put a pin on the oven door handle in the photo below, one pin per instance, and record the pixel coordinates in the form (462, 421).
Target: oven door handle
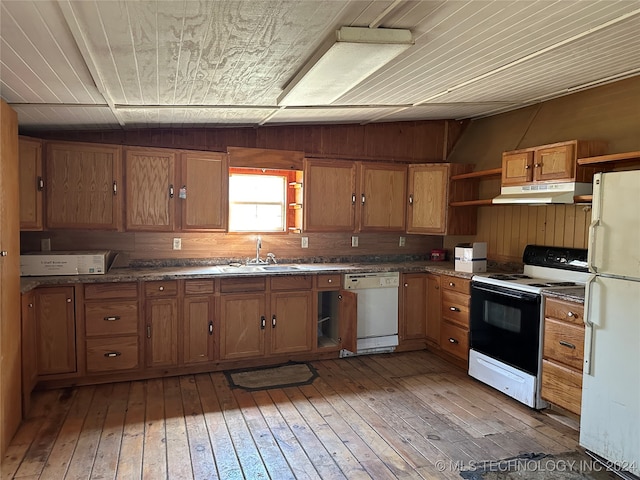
(531, 297)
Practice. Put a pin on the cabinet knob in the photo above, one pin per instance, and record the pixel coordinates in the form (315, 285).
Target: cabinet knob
(571, 315)
(210, 328)
(454, 309)
(363, 199)
(538, 165)
(451, 284)
(406, 284)
(68, 300)
(112, 354)
(273, 322)
(161, 289)
(527, 167)
(411, 199)
(40, 184)
(453, 340)
(330, 281)
(30, 305)
(4, 253)
(171, 192)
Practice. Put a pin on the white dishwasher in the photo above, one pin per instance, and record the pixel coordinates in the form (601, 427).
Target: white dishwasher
(377, 310)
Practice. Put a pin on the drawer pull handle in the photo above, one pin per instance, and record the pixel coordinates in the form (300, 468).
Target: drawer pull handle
(454, 309)
(210, 328)
(111, 319)
(273, 322)
(353, 199)
(112, 354)
(411, 199)
(451, 284)
(453, 340)
(148, 331)
(567, 344)
(40, 184)
(263, 322)
(571, 315)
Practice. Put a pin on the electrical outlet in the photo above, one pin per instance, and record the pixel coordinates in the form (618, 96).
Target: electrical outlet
(177, 243)
(402, 242)
(305, 242)
(354, 241)
(45, 244)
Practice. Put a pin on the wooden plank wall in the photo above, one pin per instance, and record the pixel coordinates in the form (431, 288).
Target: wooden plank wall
(148, 245)
(414, 142)
(507, 229)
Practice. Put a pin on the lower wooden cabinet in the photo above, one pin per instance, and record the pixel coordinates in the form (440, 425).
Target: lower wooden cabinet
(434, 309)
(563, 354)
(55, 330)
(29, 348)
(161, 324)
(111, 327)
(414, 301)
(336, 314)
(290, 322)
(454, 329)
(198, 319)
(243, 322)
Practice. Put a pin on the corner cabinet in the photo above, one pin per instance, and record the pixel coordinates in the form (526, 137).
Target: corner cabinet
(31, 183)
(82, 183)
(430, 193)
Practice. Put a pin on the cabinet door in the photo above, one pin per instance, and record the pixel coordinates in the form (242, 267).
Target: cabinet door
(205, 180)
(414, 303)
(150, 189)
(29, 348)
(242, 326)
(329, 196)
(162, 332)
(428, 199)
(198, 329)
(55, 330)
(517, 168)
(290, 322)
(554, 163)
(382, 197)
(31, 184)
(348, 320)
(434, 308)
(81, 182)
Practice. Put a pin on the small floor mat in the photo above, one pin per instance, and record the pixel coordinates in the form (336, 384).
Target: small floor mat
(263, 378)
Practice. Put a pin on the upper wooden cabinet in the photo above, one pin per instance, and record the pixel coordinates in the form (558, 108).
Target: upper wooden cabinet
(150, 189)
(353, 196)
(550, 163)
(430, 191)
(31, 183)
(203, 190)
(170, 190)
(81, 182)
(329, 196)
(382, 192)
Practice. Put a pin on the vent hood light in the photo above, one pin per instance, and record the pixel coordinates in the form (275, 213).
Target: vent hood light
(342, 63)
(542, 193)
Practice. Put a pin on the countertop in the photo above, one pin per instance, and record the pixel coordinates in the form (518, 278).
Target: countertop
(569, 294)
(225, 271)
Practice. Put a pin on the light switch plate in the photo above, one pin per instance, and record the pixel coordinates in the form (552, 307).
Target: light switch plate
(304, 242)
(354, 241)
(177, 243)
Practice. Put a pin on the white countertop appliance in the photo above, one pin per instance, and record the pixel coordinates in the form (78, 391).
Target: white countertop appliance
(610, 419)
(377, 311)
(507, 320)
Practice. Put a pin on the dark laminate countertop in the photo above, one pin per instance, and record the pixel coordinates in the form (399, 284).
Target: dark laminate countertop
(225, 271)
(569, 294)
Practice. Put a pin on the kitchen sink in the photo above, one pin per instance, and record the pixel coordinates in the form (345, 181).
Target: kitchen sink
(280, 268)
(241, 269)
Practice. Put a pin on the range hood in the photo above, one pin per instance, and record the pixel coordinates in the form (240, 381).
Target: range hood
(542, 193)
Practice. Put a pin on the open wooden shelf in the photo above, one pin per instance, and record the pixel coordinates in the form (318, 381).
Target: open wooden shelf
(582, 198)
(494, 172)
(614, 157)
(472, 203)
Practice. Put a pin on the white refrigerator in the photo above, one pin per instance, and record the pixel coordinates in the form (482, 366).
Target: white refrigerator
(610, 418)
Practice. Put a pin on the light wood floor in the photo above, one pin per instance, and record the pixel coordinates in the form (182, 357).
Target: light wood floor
(407, 415)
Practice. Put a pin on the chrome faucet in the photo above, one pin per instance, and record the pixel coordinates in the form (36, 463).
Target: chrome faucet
(257, 260)
(271, 258)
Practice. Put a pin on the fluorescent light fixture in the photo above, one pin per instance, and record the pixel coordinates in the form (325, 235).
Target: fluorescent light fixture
(342, 63)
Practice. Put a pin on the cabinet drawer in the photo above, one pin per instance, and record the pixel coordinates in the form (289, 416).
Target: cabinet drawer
(455, 308)
(564, 342)
(561, 386)
(454, 340)
(328, 282)
(111, 318)
(107, 354)
(198, 287)
(293, 282)
(567, 311)
(243, 284)
(102, 291)
(165, 288)
(461, 285)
